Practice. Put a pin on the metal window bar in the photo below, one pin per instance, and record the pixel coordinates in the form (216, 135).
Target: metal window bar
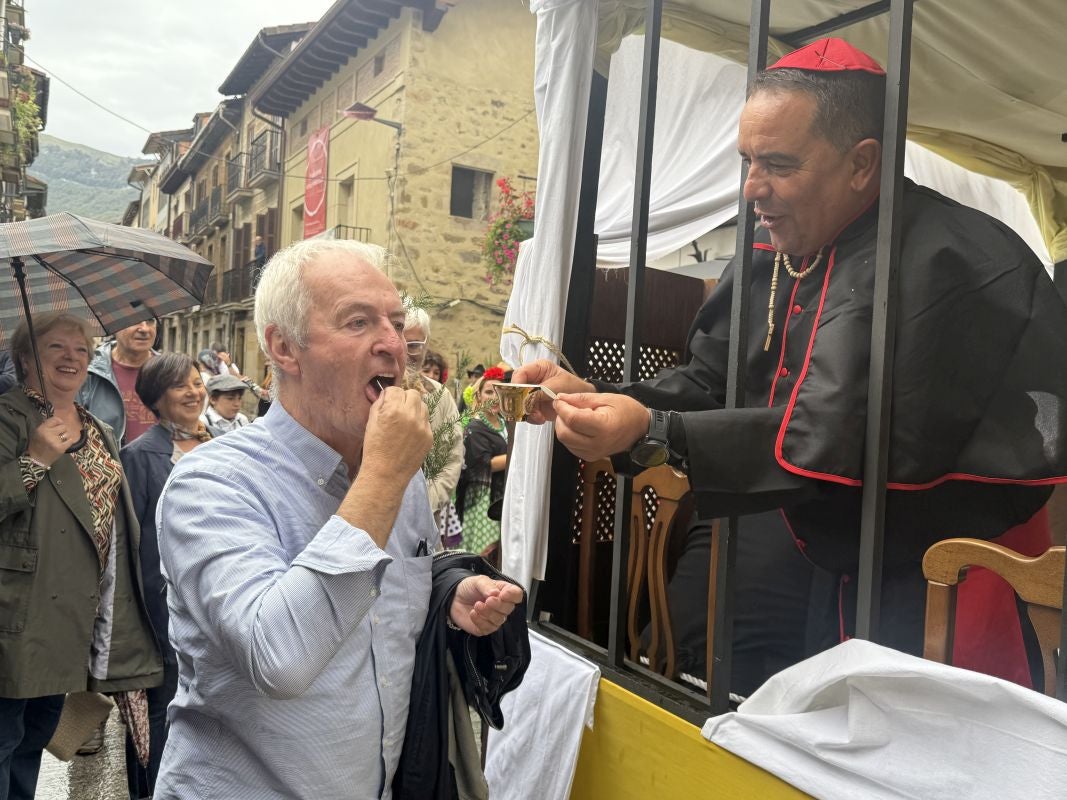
(354, 232)
(724, 557)
(198, 220)
(238, 283)
(264, 154)
(579, 300)
(635, 315)
(216, 209)
(883, 323)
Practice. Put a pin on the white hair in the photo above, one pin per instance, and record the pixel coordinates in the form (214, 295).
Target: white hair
(282, 296)
(418, 318)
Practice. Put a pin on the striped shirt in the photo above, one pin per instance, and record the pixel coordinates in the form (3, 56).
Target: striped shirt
(295, 633)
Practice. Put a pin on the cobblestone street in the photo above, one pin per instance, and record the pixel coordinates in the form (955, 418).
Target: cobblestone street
(97, 777)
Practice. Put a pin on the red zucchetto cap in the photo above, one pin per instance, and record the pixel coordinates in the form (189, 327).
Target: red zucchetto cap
(829, 55)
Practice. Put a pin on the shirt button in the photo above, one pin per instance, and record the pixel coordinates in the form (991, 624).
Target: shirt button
(797, 309)
(783, 373)
(373, 592)
(321, 481)
(385, 681)
(376, 620)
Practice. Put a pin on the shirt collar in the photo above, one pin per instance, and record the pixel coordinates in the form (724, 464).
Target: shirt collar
(319, 459)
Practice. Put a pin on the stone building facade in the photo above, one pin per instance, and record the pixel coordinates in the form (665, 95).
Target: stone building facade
(455, 91)
(224, 192)
(453, 84)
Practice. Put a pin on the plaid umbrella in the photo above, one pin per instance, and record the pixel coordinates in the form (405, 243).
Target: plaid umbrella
(112, 275)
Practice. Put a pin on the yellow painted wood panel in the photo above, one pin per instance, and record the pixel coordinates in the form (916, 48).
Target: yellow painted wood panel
(638, 751)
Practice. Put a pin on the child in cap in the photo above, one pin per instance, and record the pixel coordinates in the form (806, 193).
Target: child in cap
(223, 413)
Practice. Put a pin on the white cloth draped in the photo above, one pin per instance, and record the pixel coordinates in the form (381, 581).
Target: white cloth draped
(695, 165)
(535, 755)
(861, 720)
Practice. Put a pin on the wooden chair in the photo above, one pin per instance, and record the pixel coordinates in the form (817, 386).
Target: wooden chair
(649, 552)
(1038, 582)
(647, 565)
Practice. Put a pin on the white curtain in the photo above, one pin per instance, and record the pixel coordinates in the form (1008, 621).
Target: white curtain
(995, 197)
(696, 169)
(566, 33)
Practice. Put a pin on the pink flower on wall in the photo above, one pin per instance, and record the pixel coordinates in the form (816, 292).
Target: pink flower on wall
(506, 229)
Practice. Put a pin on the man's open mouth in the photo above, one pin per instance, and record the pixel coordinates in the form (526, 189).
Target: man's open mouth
(378, 384)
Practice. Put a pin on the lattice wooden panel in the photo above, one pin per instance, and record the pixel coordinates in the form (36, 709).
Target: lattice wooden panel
(606, 363)
(606, 360)
(603, 508)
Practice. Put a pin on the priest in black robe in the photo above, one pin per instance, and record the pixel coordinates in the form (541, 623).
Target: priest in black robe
(979, 403)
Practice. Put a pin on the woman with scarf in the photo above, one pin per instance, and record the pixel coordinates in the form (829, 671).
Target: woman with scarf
(481, 483)
(72, 606)
(170, 386)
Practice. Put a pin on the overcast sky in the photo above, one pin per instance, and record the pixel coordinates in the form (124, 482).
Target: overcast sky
(155, 62)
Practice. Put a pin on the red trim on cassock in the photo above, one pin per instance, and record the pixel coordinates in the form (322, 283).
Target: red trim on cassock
(841, 479)
(799, 543)
(778, 441)
(764, 246)
(785, 335)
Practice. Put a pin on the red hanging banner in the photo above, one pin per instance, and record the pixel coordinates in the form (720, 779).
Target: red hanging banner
(315, 183)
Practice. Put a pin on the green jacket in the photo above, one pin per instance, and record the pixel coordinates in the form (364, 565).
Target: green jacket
(50, 586)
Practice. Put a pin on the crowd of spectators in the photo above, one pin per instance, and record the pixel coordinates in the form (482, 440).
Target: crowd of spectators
(88, 443)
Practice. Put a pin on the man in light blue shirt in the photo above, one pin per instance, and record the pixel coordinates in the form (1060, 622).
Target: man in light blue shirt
(297, 552)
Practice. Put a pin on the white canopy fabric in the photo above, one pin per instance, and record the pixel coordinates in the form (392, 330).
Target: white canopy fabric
(695, 185)
(696, 167)
(993, 196)
(984, 90)
(861, 720)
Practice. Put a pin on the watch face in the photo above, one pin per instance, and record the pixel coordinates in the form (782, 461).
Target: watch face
(649, 454)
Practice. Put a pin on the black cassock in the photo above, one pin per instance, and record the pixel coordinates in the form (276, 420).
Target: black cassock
(979, 403)
(979, 388)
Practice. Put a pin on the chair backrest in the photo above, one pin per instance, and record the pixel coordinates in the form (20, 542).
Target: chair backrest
(649, 551)
(1038, 582)
(650, 540)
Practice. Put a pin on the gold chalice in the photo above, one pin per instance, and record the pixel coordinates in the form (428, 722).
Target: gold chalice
(516, 399)
(516, 402)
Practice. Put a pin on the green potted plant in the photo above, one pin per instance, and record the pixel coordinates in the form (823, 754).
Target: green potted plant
(25, 111)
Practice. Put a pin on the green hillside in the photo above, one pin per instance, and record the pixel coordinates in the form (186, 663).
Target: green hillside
(84, 181)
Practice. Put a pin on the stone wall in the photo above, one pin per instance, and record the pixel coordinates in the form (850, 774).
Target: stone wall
(481, 103)
(464, 96)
